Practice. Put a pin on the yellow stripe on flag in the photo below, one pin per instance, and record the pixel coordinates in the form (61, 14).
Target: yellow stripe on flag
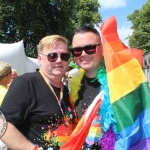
(124, 79)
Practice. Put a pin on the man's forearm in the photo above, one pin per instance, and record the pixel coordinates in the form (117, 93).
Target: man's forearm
(15, 140)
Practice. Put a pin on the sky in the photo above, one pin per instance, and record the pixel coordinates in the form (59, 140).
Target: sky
(121, 9)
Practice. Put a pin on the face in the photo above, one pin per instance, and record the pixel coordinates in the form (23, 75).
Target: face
(91, 62)
(13, 75)
(66, 74)
(56, 67)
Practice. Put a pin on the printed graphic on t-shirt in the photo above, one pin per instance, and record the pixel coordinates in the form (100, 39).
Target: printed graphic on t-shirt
(56, 134)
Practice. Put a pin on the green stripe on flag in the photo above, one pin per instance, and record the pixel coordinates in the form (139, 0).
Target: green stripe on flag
(128, 107)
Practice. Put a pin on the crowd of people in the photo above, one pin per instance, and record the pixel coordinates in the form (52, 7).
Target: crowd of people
(6, 73)
(37, 105)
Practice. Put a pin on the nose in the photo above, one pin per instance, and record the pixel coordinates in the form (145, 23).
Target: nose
(83, 53)
(58, 58)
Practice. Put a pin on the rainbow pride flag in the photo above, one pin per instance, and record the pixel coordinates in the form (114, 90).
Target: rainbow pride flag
(78, 136)
(128, 89)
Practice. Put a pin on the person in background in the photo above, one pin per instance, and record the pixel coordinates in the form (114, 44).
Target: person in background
(65, 79)
(88, 53)
(14, 74)
(44, 118)
(5, 77)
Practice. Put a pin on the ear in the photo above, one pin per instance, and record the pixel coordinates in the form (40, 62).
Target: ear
(102, 49)
(8, 76)
(39, 58)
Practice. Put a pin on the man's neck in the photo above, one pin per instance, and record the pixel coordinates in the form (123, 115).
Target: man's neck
(90, 74)
(3, 82)
(54, 80)
(56, 83)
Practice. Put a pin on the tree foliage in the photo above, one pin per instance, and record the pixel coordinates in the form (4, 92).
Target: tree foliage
(31, 20)
(87, 13)
(141, 28)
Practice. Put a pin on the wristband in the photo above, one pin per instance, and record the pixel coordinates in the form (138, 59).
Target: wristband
(36, 148)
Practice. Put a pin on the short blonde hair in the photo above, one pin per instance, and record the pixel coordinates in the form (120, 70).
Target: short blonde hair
(13, 70)
(49, 41)
(5, 69)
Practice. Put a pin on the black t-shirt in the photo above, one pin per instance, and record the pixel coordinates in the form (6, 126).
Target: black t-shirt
(89, 90)
(32, 107)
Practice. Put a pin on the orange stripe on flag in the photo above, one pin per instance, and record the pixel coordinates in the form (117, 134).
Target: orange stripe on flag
(113, 48)
(111, 60)
(138, 54)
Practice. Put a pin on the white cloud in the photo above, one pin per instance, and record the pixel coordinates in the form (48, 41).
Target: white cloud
(124, 29)
(111, 4)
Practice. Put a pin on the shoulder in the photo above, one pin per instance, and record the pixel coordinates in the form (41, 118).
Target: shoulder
(3, 88)
(30, 75)
(26, 79)
(3, 92)
(33, 76)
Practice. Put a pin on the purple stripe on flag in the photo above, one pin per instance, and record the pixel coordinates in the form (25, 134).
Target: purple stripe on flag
(135, 134)
(142, 145)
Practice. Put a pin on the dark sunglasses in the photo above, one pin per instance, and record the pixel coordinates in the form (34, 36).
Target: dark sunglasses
(89, 49)
(51, 57)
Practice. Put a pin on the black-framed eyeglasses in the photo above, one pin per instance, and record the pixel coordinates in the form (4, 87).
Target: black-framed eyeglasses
(89, 49)
(51, 57)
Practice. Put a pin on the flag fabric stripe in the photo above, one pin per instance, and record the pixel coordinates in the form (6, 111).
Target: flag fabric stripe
(113, 36)
(129, 91)
(128, 107)
(128, 72)
(141, 145)
(114, 62)
(127, 52)
(136, 135)
(79, 134)
(136, 53)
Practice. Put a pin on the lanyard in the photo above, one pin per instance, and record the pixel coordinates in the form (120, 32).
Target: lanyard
(61, 92)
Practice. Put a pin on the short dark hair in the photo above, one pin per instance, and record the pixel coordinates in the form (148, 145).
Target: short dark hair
(85, 29)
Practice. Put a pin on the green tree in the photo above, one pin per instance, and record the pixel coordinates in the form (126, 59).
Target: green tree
(141, 28)
(30, 20)
(87, 13)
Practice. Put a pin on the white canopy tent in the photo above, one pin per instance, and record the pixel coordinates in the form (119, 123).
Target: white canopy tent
(14, 54)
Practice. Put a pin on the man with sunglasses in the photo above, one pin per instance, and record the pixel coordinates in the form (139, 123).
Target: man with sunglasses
(87, 52)
(37, 105)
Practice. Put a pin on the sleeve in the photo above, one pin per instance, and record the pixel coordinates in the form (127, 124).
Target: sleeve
(17, 102)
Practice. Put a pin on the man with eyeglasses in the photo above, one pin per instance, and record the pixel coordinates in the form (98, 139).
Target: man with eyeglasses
(37, 105)
(88, 54)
